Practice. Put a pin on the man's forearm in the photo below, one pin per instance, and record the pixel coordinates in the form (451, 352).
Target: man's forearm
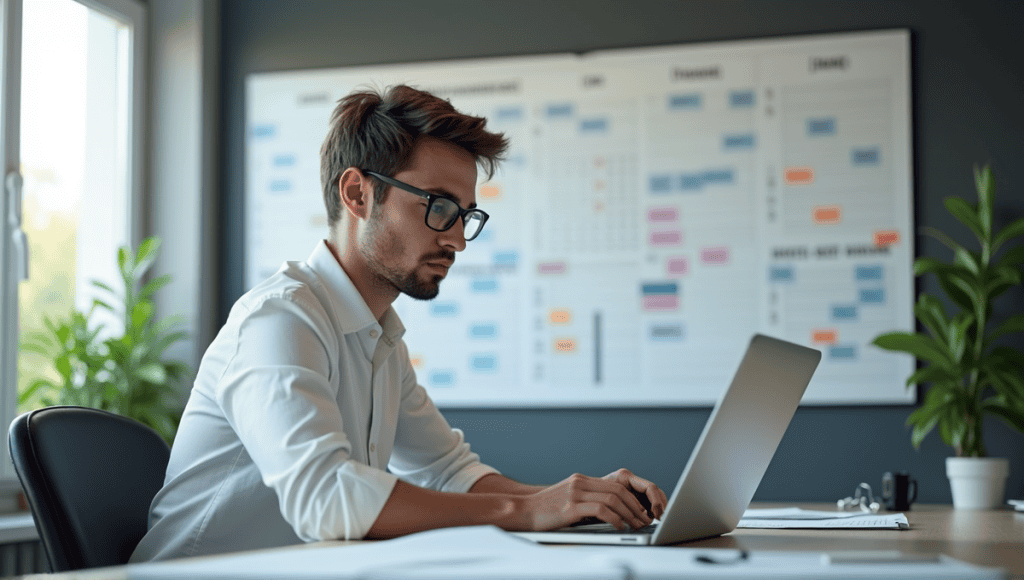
(497, 483)
(412, 509)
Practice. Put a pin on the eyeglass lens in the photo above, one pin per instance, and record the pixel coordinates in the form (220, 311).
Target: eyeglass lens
(442, 214)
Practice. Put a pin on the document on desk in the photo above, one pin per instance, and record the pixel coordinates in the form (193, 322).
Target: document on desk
(487, 553)
(796, 518)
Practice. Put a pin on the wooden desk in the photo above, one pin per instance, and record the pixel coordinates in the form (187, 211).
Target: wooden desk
(983, 537)
(987, 538)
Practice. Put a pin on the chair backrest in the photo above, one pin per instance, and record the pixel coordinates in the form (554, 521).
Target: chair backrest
(89, 477)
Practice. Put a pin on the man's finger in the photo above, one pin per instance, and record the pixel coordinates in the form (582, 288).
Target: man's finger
(613, 502)
(654, 495)
(658, 501)
(605, 514)
(619, 484)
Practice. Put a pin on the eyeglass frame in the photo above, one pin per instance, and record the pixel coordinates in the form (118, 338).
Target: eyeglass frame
(431, 198)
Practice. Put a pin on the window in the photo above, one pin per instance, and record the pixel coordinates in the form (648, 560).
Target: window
(76, 144)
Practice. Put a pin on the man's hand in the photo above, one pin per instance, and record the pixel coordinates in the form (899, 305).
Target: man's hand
(610, 499)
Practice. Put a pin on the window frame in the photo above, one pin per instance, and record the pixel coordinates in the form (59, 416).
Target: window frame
(133, 13)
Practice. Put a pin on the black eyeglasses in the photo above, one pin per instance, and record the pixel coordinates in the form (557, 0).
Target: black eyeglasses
(442, 212)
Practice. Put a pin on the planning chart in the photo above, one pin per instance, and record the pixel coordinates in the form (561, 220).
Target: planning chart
(657, 208)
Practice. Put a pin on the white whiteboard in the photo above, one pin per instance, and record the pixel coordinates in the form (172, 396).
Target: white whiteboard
(659, 206)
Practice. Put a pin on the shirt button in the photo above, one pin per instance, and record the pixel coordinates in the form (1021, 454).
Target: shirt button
(373, 333)
(372, 448)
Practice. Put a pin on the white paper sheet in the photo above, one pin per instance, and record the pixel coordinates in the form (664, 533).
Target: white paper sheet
(796, 518)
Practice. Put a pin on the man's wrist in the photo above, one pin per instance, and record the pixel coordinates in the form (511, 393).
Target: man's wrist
(497, 483)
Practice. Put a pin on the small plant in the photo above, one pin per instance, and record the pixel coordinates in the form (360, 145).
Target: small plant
(970, 376)
(126, 375)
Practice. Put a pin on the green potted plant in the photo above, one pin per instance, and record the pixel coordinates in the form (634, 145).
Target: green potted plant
(970, 375)
(125, 374)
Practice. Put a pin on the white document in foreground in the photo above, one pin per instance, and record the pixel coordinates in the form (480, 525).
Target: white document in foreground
(487, 553)
(810, 519)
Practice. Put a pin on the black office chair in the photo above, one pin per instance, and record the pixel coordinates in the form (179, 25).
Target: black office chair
(89, 477)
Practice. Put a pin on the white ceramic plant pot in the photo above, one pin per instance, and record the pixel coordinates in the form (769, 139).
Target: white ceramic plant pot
(977, 483)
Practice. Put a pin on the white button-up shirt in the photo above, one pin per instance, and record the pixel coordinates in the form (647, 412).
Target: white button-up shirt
(304, 413)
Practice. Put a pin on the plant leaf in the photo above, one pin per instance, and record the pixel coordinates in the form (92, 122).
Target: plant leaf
(929, 374)
(178, 369)
(986, 198)
(167, 323)
(1008, 384)
(924, 264)
(941, 236)
(63, 366)
(1002, 274)
(933, 316)
(966, 215)
(147, 247)
(921, 430)
(1008, 357)
(153, 373)
(36, 349)
(958, 335)
(945, 429)
(103, 286)
(919, 345)
(63, 333)
(1013, 257)
(969, 287)
(124, 260)
(139, 352)
(31, 389)
(141, 313)
(154, 285)
(935, 400)
(40, 338)
(1013, 417)
(148, 250)
(167, 341)
(97, 302)
(968, 260)
(1014, 229)
(959, 297)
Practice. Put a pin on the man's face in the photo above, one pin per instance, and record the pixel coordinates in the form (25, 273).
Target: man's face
(398, 246)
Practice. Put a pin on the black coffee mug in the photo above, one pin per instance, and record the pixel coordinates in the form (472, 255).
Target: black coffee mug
(899, 490)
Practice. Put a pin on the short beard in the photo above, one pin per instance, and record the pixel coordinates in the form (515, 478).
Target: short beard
(419, 290)
(381, 244)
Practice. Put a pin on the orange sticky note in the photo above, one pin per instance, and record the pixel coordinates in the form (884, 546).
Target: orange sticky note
(827, 214)
(560, 316)
(565, 345)
(490, 191)
(887, 237)
(824, 336)
(799, 175)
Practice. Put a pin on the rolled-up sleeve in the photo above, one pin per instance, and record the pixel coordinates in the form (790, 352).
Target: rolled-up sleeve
(278, 395)
(427, 451)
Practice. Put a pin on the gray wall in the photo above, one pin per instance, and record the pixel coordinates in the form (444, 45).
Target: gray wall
(968, 76)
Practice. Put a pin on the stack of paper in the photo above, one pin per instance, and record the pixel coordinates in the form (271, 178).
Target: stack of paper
(800, 518)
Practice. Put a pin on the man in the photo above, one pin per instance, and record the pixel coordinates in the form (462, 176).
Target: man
(305, 422)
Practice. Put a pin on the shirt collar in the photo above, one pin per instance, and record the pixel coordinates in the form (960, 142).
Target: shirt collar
(350, 308)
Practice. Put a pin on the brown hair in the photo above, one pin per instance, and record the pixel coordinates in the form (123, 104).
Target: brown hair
(376, 131)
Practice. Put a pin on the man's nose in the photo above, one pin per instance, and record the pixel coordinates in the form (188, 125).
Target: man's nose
(454, 237)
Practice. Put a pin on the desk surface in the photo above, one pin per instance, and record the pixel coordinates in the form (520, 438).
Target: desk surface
(986, 537)
(983, 537)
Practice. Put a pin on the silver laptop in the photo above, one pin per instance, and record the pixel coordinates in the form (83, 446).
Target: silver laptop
(731, 456)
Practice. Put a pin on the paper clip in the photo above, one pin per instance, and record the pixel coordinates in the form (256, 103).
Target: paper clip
(862, 498)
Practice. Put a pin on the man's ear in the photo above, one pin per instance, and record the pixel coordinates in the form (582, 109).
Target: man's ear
(355, 192)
